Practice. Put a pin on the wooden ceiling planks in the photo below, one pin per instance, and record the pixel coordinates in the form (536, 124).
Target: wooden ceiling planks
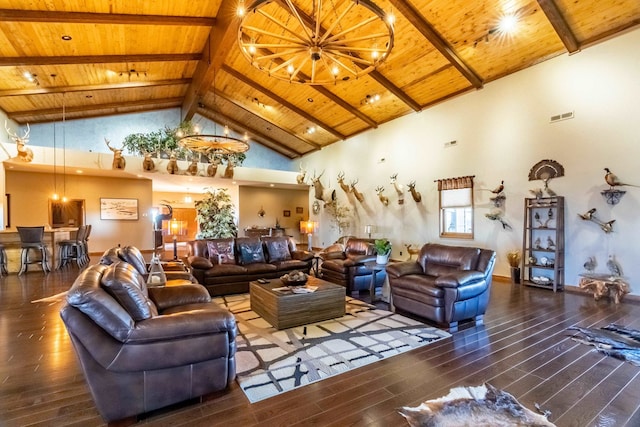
(591, 21)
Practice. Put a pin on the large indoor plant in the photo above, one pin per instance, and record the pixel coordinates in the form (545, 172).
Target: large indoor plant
(383, 250)
(215, 215)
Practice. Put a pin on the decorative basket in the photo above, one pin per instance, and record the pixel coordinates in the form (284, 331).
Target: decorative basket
(293, 282)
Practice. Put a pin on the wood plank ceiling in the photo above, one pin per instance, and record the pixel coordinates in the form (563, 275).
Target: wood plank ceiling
(129, 56)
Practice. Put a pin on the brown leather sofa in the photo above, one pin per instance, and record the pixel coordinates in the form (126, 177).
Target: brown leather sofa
(146, 348)
(132, 255)
(226, 266)
(445, 284)
(346, 267)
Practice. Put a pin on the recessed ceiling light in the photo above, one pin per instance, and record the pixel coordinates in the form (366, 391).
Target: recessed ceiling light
(88, 96)
(66, 38)
(272, 185)
(309, 99)
(79, 171)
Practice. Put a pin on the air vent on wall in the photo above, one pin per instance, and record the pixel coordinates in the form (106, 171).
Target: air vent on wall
(563, 116)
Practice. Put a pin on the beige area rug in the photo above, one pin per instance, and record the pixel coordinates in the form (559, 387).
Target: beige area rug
(271, 361)
(53, 298)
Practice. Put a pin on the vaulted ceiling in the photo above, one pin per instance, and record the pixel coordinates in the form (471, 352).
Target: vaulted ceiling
(127, 56)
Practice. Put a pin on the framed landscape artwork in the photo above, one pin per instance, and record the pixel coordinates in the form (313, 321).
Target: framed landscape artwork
(122, 209)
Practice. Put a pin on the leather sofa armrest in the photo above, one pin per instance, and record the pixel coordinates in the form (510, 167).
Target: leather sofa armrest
(166, 297)
(358, 260)
(399, 269)
(199, 262)
(179, 275)
(459, 278)
(302, 255)
(332, 255)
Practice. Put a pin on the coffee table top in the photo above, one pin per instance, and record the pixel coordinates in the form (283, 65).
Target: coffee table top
(321, 285)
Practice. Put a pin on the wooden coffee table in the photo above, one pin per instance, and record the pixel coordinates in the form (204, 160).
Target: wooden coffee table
(284, 309)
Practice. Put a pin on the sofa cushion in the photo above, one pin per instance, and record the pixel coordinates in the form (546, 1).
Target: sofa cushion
(250, 250)
(127, 286)
(226, 270)
(277, 248)
(221, 251)
(260, 268)
(291, 264)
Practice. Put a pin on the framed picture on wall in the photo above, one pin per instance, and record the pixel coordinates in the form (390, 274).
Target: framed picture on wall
(286, 213)
(299, 209)
(120, 209)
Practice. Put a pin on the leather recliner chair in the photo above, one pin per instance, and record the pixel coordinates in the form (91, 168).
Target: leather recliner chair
(146, 348)
(445, 284)
(346, 267)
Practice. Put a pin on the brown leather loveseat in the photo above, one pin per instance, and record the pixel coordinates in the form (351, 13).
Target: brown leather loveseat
(445, 284)
(146, 348)
(226, 266)
(346, 267)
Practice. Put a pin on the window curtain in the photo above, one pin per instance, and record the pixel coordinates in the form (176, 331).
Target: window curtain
(455, 183)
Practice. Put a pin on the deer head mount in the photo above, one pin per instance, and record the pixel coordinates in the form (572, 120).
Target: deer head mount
(411, 250)
(24, 153)
(358, 195)
(192, 169)
(214, 162)
(119, 161)
(319, 190)
(417, 197)
(399, 188)
(344, 186)
(302, 175)
(384, 199)
(229, 170)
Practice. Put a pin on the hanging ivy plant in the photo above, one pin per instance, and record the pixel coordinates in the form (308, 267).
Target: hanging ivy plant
(215, 215)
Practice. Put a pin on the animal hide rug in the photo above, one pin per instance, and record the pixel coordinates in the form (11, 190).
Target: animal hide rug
(613, 340)
(482, 406)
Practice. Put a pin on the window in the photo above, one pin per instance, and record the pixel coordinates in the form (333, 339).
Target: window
(456, 207)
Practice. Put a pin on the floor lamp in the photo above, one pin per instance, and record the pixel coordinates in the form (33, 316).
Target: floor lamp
(308, 228)
(176, 228)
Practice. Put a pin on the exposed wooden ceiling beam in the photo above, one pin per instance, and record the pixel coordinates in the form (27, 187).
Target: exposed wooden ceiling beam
(217, 116)
(282, 101)
(82, 88)
(221, 39)
(395, 90)
(555, 17)
(97, 59)
(271, 123)
(86, 108)
(14, 15)
(417, 20)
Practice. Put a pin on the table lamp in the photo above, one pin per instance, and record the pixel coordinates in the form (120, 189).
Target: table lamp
(308, 228)
(369, 229)
(175, 228)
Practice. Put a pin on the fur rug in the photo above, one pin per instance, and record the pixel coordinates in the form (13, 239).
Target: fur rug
(613, 340)
(482, 406)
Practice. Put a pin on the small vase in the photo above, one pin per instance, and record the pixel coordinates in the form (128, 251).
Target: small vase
(382, 259)
(515, 275)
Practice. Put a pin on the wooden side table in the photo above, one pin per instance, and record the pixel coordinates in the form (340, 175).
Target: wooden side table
(374, 267)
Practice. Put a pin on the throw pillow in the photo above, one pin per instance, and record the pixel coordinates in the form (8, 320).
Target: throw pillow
(250, 251)
(221, 251)
(127, 286)
(278, 249)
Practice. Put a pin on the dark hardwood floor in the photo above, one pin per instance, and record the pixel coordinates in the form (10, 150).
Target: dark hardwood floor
(524, 347)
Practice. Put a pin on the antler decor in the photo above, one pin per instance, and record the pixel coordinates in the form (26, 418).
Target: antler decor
(119, 162)
(24, 153)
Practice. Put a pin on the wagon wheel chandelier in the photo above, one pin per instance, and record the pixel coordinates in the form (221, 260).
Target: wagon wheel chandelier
(213, 144)
(315, 43)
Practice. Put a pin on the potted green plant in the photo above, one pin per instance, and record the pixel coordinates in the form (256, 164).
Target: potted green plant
(215, 215)
(383, 249)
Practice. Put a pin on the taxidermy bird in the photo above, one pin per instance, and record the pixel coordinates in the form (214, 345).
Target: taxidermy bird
(497, 216)
(499, 188)
(537, 243)
(590, 264)
(607, 227)
(588, 215)
(536, 192)
(550, 243)
(614, 266)
(613, 180)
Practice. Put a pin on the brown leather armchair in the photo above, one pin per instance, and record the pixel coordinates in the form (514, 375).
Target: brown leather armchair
(142, 349)
(346, 267)
(445, 284)
(174, 270)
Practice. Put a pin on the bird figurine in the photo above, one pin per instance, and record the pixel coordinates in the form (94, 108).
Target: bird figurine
(497, 216)
(590, 264)
(499, 188)
(536, 216)
(588, 215)
(550, 243)
(537, 243)
(614, 266)
(613, 180)
(536, 192)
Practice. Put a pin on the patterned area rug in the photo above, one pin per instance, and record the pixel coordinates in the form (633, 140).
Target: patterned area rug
(270, 361)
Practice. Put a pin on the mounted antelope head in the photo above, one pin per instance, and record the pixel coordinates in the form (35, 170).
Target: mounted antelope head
(192, 169)
(147, 163)
(302, 175)
(415, 194)
(25, 154)
(319, 191)
(411, 251)
(172, 166)
(214, 161)
(358, 195)
(383, 199)
(399, 188)
(119, 161)
(344, 186)
(228, 171)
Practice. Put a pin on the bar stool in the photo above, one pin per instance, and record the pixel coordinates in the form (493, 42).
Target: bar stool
(33, 238)
(73, 249)
(3, 261)
(85, 245)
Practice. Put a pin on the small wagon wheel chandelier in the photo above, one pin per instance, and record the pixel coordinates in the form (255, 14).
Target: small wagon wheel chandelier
(312, 43)
(213, 144)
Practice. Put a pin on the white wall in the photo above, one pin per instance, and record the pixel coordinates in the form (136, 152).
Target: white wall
(501, 132)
